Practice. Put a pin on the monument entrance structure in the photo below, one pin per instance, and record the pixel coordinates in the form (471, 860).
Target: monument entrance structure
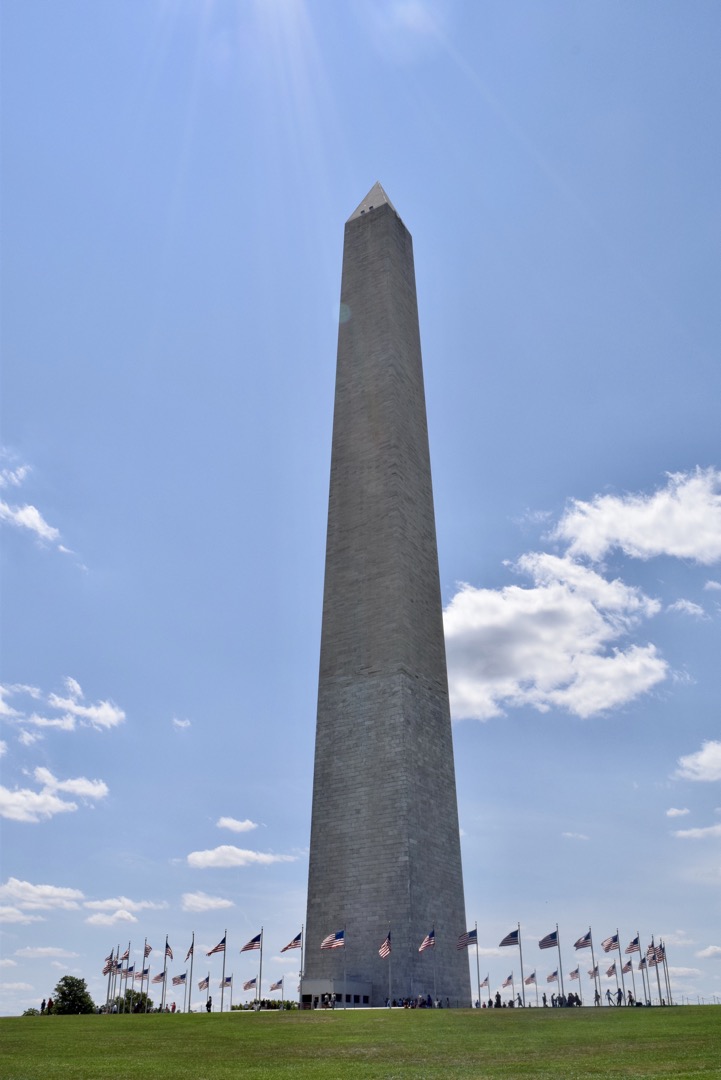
(385, 855)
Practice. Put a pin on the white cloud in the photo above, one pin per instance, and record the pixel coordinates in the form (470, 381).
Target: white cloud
(682, 519)
(687, 607)
(711, 951)
(44, 952)
(180, 724)
(227, 855)
(3, 747)
(8, 963)
(200, 901)
(711, 586)
(124, 902)
(13, 477)
(704, 764)
(40, 897)
(10, 914)
(698, 834)
(28, 517)
(549, 645)
(103, 919)
(674, 812)
(102, 715)
(23, 804)
(27, 738)
(684, 972)
(15, 986)
(236, 826)
(575, 836)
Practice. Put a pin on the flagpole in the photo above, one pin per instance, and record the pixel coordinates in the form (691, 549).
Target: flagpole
(536, 982)
(644, 971)
(260, 971)
(658, 977)
(620, 964)
(192, 954)
(302, 964)
(207, 990)
(478, 968)
(345, 945)
(185, 995)
(390, 960)
(560, 966)
(520, 950)
(435, 992)
(633, 977)
(222, 985)
(165, 971)
(666, 974)
(596, 976)
(147, 988)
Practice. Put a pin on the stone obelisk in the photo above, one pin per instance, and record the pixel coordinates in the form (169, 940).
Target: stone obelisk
(385, 848)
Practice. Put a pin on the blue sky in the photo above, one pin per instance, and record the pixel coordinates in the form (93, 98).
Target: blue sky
(175, 179)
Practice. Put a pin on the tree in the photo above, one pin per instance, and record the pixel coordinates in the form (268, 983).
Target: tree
(71, 997)
(133, 1001)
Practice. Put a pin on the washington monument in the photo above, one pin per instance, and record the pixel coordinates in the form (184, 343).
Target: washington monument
(385, 848)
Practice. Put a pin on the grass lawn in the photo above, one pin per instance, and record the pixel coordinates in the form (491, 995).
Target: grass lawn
(368, 1044)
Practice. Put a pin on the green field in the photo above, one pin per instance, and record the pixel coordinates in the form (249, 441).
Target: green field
(368, 1044)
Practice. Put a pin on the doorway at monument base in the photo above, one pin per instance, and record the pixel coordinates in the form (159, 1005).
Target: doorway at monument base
(335, 993)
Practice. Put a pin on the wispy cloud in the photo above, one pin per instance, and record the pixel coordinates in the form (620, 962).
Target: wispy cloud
(44, 952)
(710, 952)
(698, 834)
(27, 516)
(236, 826)
(200, 901)
(227, 855)
(180, 725)
(111, 918)
(575, 836)
(703, 765)
(688, 607)
(674, 812)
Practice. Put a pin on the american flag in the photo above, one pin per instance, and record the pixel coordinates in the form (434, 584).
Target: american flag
(575, 974)
(428, 941)
(610, 943)
(250, 984)
(334, 941)
(593, 973)
(508, 981)
(385, 949)
(168, 950)
(552, 978)
(510, 939)
(190, 952)
(204, 983)
(127, 973)
(142, 974)
(584, 942)
(484, 983)
(612, 970)
(126, 954)
(530, 980)
(254, 943)
(179, 980)
(650, 951)
(661, 952)
(220, 947)
(549, 940)
(642, 963)
(109, 959)
(278, 985)
(294, 944)
(627, 967)
(469, 938)
(159, 978)
(108, 967)
(227, 981)
(148, 949)
(633, 946)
